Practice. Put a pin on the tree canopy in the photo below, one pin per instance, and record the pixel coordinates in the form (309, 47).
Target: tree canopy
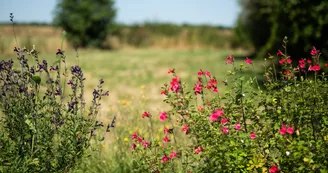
(87, 22)
(264, 23)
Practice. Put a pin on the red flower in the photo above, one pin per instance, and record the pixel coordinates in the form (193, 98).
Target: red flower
(215, 116)
(326, 64)
(145, 144)
(208, 74)
(170, 71)
(162, 116)
(248, 61)
(198, 150)
(309, 61)
(225, 130)
(229, 59)
(173, 154)
(224, 120)
(301, 63)
(134, 135)
(200, 73)
(198, 87)
(290, 129)
(279, 53)
(164, 92)
(145, 114)
(283, 129)
(164, 159)
(166, 139)
(274, 169)
(185, 128)
(133, 146)
(313, 51)
(166, 130)
(282, 60)
(237, 126)
(252, 135)
(314, 68)
(175, 84)
(139, 139)
(289, 60)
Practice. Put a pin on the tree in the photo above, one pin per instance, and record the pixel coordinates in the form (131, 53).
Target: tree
(87, 22)
(266, 22)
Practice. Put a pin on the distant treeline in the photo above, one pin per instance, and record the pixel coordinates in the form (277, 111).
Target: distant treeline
(146, 35)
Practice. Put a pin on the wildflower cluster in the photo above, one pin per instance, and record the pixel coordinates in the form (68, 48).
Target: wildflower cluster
(280, 125)
(40, 132)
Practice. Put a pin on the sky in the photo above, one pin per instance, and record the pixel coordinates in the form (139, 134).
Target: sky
(212, 12)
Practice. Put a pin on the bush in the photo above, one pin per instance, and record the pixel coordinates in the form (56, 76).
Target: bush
(87, 22)
(41, 129)
(280, 127)
(265, 22)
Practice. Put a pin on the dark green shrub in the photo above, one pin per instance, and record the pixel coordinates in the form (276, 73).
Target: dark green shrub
(87, 22)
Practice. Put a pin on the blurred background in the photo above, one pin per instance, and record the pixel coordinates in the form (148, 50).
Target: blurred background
(132, 44)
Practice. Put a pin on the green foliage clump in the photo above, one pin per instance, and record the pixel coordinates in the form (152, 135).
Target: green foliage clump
(87, 22)
(280, 126)
(264, 23)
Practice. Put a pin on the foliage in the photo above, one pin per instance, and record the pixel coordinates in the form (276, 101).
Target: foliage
(87, 22)
(42, 129)
(266, 22)
(281, 127)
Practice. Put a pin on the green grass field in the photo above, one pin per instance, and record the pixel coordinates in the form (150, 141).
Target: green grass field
(134, 79)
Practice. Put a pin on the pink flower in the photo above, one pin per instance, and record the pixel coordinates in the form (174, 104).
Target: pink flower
(198, 87)
(237, 126)
(314, 68)
(248, 61)
(164, 159)
(301, 63)
(289, 60)
(166, 130)
(282, 60)
(173, 154)
(224, 120)
(252, 135)
(170, 71)
(198, 150)
(274, 169)
(133, 146)
(326, 64)
(139, 139)
(145, 114)
(175, 84)
(134, 135)
(309, 61)
(279, 53)
(185, 128)
(313, 51)
(283, 129)
(225, 130)
(145, 144)
(164, 92)
(215, 116)
(162, 116)
(208, 74)
(229, 59)
(166, 139)
(200, 73)
(215, 90)
(290, 129)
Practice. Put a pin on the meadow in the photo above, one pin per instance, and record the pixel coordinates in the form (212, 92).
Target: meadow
(133, 76)
(241, 126)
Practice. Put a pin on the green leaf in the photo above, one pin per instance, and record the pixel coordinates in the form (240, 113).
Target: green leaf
(36, 79)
